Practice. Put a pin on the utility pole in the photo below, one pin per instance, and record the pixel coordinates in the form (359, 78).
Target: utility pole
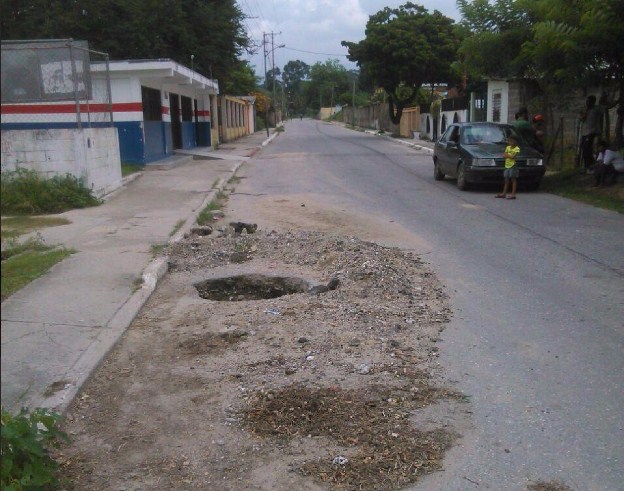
(266, 109)
(273, 68)
(353, 105)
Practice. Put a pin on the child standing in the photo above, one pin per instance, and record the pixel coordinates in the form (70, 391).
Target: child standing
(511, 170)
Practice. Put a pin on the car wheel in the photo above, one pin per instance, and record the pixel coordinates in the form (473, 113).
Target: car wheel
(462, 184)
(438, 175)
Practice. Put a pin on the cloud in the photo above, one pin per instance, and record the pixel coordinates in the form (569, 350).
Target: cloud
(312, 30)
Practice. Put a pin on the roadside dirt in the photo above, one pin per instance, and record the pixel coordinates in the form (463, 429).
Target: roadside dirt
(325, 388)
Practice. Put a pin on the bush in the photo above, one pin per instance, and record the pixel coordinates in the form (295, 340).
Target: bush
(25, 439)
(25, 192)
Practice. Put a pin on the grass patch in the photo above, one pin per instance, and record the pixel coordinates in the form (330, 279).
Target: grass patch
(571, 184)
(280, 129)
(206, 216)
(25, 192)
(15, 226)
(177, 227)
(128, 169)
(23, 263)
(156, 249)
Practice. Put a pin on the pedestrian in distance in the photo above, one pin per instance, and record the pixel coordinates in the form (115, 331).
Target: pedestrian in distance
(511, 169)
(591, 119)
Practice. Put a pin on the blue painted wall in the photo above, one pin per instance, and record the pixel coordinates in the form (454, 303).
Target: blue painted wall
(203, 134)
(188, 134)
(131, 144)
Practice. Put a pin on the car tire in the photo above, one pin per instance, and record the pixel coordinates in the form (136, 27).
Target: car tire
(462, 184)
(438, 175)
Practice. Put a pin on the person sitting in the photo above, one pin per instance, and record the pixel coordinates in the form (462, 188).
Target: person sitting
(609, 163)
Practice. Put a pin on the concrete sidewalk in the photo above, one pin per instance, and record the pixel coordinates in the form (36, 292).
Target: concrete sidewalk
(57, 329)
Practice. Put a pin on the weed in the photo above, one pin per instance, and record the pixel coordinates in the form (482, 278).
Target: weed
(215, 184)
(25, 441)
(14, 248)
(27, 262)
(206, 216)
(177, 227)
(234, 180)
(137, 284)
(280, 129)
(128, 169)
(156, 249)
(25, 192)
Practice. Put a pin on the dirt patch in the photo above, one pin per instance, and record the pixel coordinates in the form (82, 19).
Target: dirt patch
(314, 390)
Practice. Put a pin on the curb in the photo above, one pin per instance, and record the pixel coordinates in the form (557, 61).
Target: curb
(121, 320)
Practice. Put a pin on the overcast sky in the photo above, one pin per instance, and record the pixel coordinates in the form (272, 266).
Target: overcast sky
(311, 30)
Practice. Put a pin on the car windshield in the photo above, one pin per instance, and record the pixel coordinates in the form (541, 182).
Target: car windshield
(473, 135)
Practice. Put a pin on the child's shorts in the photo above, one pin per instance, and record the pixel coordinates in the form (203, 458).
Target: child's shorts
(511, 173)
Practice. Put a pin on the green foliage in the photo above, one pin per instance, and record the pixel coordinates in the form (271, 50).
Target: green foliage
(25, 192)
(25, 262)
(212, 30)
(404, 48)
(25, 443)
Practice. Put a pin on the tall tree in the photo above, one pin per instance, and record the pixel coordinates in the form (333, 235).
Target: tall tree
(211, 30)
(404, 48)
(561, 44)
(329, 81)
(294, 74)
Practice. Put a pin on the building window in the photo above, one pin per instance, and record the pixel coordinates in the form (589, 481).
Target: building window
(151, 104)
(497, 99)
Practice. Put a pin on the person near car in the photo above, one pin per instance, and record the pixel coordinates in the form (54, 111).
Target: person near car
(523, 127)
(609, 163)
(539, 132)
(511, 172)
(591, 118)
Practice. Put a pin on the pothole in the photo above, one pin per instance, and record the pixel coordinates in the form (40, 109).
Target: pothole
(250, 287)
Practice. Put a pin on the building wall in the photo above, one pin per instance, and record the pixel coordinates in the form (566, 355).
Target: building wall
(90, 154)
(234, 118)
(498, 101)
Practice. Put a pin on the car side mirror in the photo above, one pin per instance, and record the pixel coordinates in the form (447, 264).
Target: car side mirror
(451, 144)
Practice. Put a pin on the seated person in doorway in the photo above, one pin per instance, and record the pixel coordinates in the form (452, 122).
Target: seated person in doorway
(609, 163)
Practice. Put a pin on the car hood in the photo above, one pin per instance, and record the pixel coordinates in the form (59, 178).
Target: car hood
(496, 151)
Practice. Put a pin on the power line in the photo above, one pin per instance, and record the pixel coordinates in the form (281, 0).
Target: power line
(314, 52)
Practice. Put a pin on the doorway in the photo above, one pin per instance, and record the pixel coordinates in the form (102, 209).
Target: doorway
(176, 127)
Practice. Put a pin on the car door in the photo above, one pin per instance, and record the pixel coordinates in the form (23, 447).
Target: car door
(451, 151)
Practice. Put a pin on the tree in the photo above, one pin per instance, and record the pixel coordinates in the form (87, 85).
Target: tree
(329, 81)
(211, 30)
(403, 49)
(294, 74)
(561, 44)
(581, 42)
(241, 79)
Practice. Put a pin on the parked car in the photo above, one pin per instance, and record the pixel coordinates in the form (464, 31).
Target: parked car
(473, 153)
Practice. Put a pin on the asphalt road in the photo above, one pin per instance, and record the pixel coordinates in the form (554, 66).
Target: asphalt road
(537, 290)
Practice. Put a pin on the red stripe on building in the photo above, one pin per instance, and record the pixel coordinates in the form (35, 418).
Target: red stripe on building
(203, 113)
(121, 107)
(164, 110)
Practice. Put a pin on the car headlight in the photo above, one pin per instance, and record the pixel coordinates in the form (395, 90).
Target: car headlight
(484, 163)
(535, 162)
